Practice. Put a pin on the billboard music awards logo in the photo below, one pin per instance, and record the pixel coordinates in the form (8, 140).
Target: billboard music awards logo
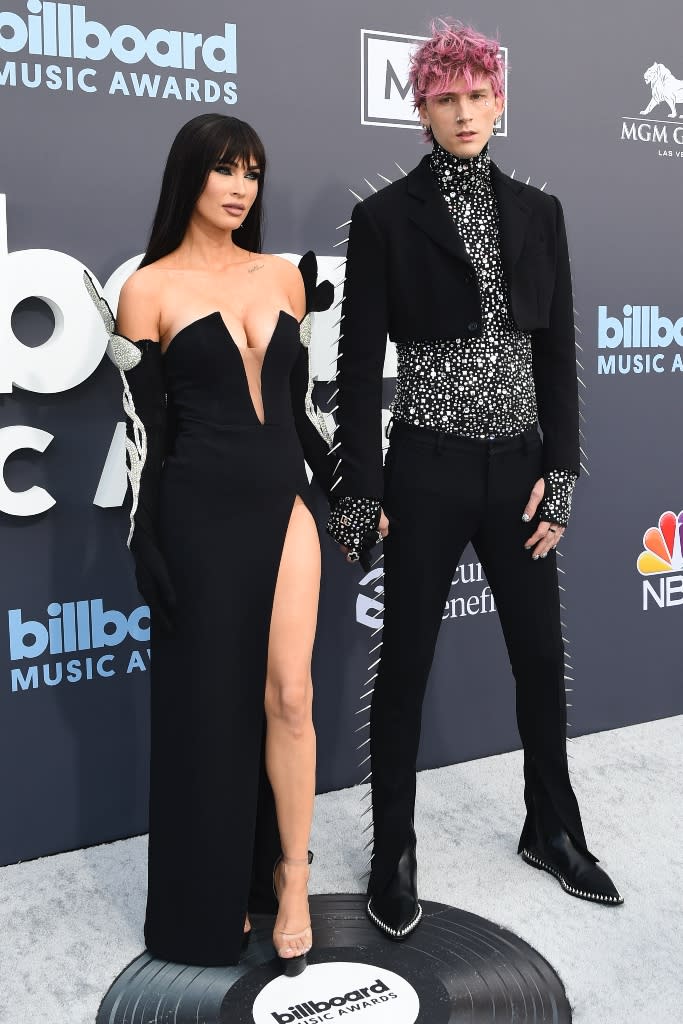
(641, 339)
(656, 124)
(370, 601)
(661, 563)
(39, 650)
(386, 97)
(49, 30)
(334, 992)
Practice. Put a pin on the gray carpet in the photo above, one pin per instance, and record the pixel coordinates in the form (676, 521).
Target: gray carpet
(69, 924)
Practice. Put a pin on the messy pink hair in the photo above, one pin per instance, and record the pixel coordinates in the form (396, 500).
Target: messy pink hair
(454, 49)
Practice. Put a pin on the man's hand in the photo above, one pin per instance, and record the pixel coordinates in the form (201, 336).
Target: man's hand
(547, 536)
(382, 529)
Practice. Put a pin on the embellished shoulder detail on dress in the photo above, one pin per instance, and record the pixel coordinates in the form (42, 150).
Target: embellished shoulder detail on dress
(126, 356)
(319, 297)
(123, 352)
(306, 330)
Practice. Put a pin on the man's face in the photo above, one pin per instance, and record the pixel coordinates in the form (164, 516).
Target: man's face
(462, 119)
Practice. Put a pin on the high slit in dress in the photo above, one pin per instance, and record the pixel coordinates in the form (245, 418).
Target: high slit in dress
(228, 486)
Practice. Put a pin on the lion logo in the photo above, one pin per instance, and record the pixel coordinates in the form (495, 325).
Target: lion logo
(665, 89)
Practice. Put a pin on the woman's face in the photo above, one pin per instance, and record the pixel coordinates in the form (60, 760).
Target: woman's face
(462, 119)
(229, 193)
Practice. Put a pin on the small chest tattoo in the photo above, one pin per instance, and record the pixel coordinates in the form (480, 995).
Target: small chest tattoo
(259, 266)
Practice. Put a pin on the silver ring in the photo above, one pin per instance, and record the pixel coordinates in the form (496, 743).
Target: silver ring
(353, 556)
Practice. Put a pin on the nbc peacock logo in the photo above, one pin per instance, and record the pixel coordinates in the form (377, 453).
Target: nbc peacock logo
(661, 562)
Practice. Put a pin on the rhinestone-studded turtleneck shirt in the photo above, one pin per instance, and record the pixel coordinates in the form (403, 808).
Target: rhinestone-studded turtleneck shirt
(476, 387)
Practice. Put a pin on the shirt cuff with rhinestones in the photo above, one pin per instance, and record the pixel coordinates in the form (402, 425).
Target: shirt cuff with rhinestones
(556, 505)
(353, 521)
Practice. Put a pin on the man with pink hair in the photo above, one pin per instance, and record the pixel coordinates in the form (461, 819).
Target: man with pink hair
(468, 272)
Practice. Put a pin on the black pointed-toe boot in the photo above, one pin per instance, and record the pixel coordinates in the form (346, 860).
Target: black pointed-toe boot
(576, 871)
(393, 906)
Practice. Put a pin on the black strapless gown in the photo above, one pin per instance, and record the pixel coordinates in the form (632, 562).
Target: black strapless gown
(228, 487)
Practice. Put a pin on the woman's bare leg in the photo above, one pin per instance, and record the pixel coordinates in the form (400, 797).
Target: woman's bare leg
(290, 738)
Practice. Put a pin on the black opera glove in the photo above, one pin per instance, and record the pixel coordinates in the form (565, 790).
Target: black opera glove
(354, 523)
(556, 505)
(152, 578)
(144, 402)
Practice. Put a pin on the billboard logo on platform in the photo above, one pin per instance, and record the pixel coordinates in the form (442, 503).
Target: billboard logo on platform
(83, 628)
(656, 123)
(64, 33)
(641, 339)
(334, 991)
(661, 563)
(370, 600)
(386, 96)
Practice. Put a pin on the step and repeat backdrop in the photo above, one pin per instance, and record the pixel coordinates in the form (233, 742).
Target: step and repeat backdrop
(91, 96)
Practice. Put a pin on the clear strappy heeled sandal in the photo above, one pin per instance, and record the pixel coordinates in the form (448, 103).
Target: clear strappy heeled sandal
(282, 941)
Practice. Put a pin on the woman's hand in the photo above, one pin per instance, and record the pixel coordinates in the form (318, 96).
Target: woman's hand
(547, 535)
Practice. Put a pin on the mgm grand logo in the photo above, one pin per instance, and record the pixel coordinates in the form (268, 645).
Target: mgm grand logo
(656, 122)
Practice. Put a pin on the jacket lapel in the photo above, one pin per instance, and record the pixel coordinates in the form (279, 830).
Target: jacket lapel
(429, 212)
(513, 217)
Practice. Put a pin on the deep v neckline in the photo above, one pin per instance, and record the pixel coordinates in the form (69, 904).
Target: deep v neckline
(217, 315)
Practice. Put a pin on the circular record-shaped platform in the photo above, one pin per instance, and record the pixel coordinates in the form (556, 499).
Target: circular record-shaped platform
(456, 968)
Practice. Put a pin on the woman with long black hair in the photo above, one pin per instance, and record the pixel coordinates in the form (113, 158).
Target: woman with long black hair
(226, 550)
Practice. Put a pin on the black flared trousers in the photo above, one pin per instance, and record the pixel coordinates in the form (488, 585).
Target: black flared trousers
(442, 492)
